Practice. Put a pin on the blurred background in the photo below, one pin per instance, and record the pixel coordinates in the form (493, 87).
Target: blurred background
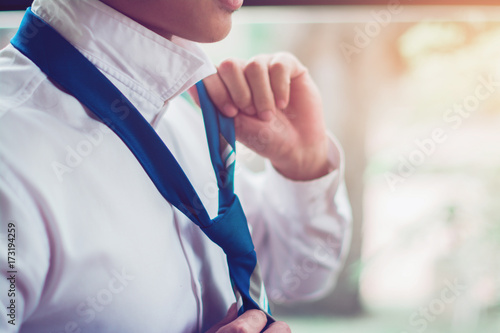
(412, 91)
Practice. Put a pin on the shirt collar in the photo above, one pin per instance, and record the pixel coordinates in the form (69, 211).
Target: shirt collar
(152, 67)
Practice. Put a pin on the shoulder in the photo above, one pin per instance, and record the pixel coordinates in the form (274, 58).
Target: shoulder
(38, 120)
(19, 79)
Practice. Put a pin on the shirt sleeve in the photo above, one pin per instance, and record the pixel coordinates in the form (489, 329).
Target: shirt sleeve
(301, 229)
(24, 259)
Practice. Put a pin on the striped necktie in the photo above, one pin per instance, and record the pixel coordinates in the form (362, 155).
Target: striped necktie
(64, 64)
(232, 235)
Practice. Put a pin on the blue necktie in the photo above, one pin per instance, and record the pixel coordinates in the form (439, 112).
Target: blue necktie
(64, 64)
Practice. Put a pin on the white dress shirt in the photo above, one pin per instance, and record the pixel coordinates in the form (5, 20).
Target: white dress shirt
(97, 248)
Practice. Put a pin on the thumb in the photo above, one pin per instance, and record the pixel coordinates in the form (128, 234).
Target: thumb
(231, 315)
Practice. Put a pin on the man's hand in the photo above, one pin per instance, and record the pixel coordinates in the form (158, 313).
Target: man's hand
(277, 111)
(252, 321)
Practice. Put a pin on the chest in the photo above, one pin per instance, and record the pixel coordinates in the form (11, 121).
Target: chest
(122, 258)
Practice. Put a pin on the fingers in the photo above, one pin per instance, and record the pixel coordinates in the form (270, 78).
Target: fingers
(252, 321)
(231, 315)
(257, 75)
(259, 87)
(219, 95)
(279, 75)
(283, 68)
(269, 139)
(278, 327)
(231, 73)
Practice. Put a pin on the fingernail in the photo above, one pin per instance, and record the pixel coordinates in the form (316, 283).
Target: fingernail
(250, 110)
(266, 115)
(281, 104)
(229, 110)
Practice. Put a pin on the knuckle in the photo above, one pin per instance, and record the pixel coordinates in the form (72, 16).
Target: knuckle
(241, 327)
(243, 100)
(228, 66)
(254, 66)
(211, 80)
(281, 327)
(277, 67)
(258, 316)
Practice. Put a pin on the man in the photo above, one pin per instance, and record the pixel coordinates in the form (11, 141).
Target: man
(97, 249)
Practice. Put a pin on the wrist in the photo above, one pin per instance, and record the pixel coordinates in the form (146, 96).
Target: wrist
(304, 164)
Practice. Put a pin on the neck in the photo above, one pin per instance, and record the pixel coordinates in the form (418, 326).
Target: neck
(135, 10)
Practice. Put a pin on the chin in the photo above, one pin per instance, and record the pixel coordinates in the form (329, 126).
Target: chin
(212, 36)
